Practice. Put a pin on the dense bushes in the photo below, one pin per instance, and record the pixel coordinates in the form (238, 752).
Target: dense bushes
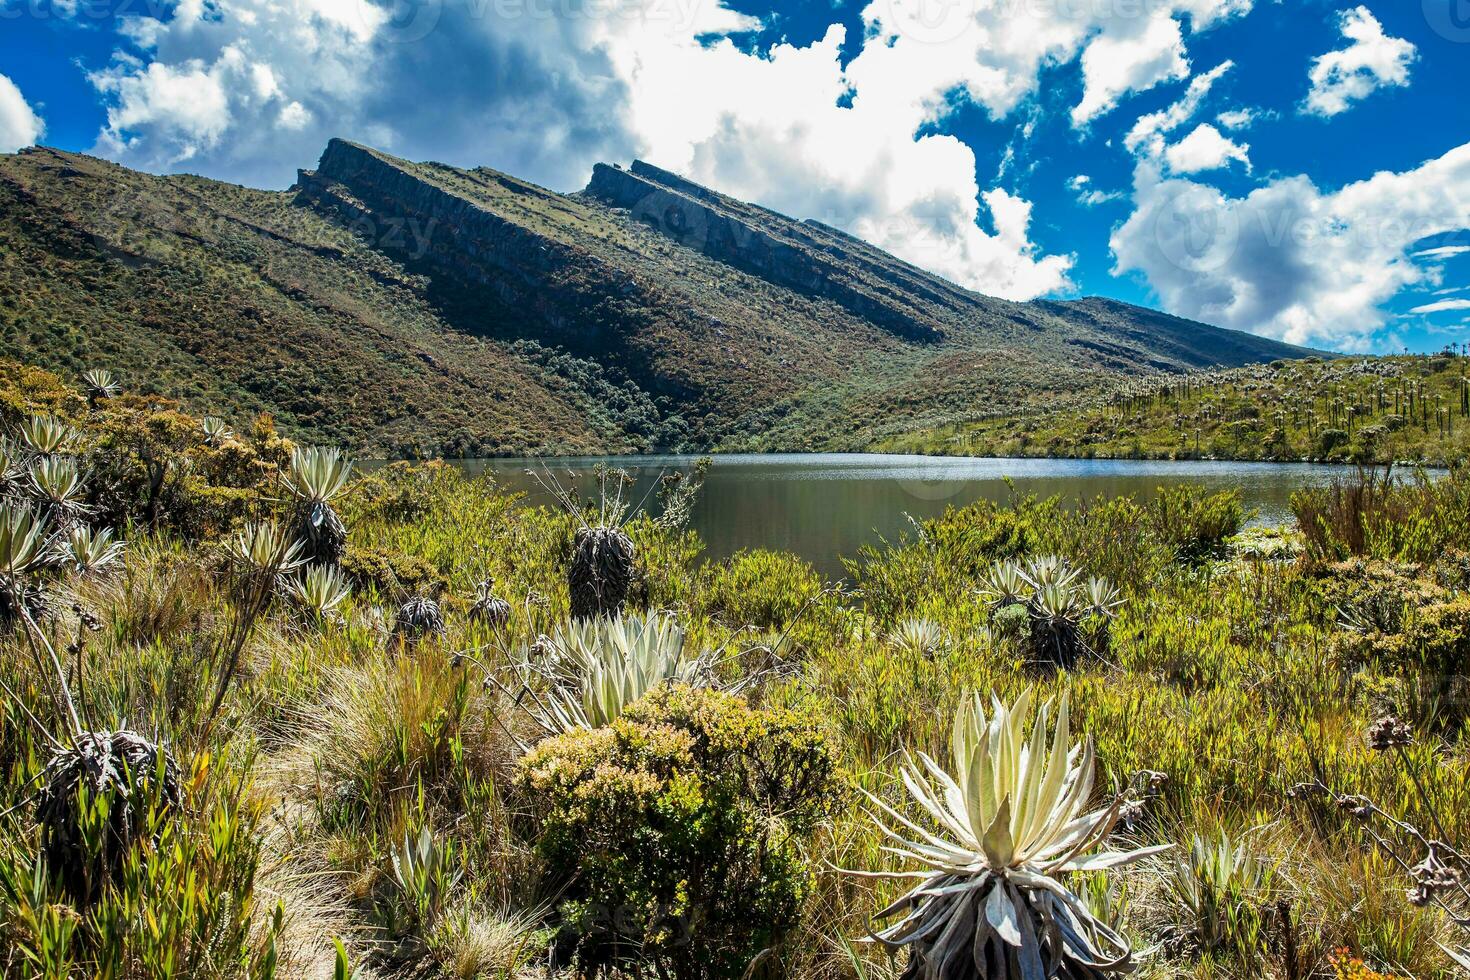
(764, 589)
(678, 830)
(183, 902)
(1194, 522)
(1349, 409)
(1376, 515)
(383, 791)
(945, 556)
(1121, 540)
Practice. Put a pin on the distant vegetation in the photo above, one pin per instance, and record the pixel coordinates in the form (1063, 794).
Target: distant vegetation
(1352, 409)
(264, 718)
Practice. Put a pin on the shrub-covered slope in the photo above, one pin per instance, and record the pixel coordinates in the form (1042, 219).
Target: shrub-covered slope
(1353, 409)
(402, 307)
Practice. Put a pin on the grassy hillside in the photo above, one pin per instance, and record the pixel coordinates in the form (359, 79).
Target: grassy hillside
(404, 308)
(1352, 409)
(404, 761)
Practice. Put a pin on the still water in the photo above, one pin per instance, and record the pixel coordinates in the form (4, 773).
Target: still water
(822, 506)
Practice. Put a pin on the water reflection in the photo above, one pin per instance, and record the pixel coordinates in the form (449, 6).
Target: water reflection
(825, 505)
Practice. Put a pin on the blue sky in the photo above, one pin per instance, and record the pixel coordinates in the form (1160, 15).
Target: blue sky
(1297, 169)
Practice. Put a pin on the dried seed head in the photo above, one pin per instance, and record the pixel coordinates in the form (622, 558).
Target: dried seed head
(1359, 806)
(1387, 733)
(1433, 875)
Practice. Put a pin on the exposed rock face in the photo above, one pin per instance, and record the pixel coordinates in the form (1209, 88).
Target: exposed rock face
(806, 257)
(409, 213)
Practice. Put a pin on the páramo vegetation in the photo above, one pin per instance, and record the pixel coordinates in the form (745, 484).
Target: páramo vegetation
(268, 714)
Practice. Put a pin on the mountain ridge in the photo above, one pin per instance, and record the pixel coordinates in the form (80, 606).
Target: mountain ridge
(403, 308)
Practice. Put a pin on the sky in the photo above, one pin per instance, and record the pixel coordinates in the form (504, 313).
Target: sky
(1297, 169)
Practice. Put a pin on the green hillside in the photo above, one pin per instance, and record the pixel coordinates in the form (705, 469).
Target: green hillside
(1354, 409)
(404, 308)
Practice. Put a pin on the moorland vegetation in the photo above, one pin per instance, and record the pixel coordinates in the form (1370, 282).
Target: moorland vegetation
(266, 716)
(1405, 408)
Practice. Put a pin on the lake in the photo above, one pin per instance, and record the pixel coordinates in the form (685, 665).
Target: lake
(825, 505)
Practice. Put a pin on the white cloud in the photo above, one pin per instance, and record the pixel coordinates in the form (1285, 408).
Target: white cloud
(1442, 305)
(293, 116)
(1442, 252)
(1372, 61)
(1289, 260)
(1089, 196)
(1205, 149)
(250, 89)
(187, 103)
(1234, 119)
(1115, 65)
(1147, 134)
(19, 124)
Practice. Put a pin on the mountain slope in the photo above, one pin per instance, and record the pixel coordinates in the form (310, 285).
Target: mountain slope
(413, 307)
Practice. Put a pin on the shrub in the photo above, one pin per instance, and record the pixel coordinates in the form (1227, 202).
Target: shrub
(765, 589)
(150, 464)
(27, 391)
(1429, 647)
(947, 553)
(401, 491)
(1194, 522)
(392, 573)
(140, 460)
(1329, 441)
(202, 512)
(1109, 537)
(1372, 514)
(677, 830)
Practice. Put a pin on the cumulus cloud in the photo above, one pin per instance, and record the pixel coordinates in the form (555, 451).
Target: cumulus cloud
(1205, 149)
(1372, 61)
(1289, 260)
(1148, 134)
(249, 89)
(1238, 119)
(19, 124)
(1115, 65)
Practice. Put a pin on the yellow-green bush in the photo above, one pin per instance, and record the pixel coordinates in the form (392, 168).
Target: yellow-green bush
(678, 831)
(390, 573)
(764, 589)
(1195, 522)
(182, 905)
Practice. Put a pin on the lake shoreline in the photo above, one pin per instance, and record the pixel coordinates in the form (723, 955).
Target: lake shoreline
(824, 507)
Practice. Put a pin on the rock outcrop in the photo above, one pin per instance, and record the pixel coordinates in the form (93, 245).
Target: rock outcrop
(807, 258)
